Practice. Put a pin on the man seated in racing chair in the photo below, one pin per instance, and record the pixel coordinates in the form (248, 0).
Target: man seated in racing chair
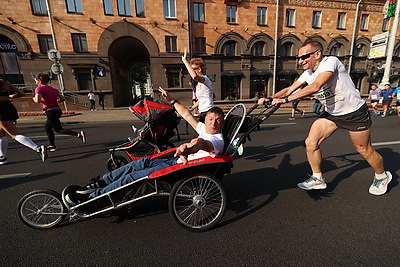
(209, 143)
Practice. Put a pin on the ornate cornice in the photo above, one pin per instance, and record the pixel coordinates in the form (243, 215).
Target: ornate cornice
(373, 6)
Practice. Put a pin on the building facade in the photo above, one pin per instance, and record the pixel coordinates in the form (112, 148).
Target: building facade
(128, 47)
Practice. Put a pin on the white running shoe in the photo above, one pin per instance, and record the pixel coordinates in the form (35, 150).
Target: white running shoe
(42, 152)
(312, 183)
(379, 186)
(82, 136)
(3, 160)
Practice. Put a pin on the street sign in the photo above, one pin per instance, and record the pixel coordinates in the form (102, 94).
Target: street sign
(100, 72)
(57, 68)
(378, 45)
(54, 55)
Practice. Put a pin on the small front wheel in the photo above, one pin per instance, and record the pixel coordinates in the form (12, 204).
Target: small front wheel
(198, 203)
(42, 209)
(116, 162)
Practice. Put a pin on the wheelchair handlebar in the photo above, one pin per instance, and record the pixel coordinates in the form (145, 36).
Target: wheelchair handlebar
(267, 104)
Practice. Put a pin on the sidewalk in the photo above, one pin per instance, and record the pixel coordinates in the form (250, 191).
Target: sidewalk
(109, 115)
(123, 113)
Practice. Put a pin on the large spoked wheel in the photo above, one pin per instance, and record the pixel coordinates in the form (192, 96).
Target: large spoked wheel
(116, 163)
(198, 203)
(42, 209)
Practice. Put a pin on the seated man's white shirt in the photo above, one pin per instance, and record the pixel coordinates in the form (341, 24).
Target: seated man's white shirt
(217, 140)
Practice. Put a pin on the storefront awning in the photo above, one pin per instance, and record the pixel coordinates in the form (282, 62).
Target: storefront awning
(361, 72)
(288, 73)
(261, 72)
(231, 73)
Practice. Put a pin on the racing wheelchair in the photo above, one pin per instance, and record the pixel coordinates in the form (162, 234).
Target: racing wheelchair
(196, 197)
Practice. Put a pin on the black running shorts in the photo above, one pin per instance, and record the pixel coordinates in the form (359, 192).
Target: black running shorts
(7, 111)
(359, 120)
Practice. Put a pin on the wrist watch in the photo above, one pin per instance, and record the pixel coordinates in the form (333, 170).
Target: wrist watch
(287, 100)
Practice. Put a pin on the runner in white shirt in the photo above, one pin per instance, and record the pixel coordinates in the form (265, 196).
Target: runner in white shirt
(344, 108)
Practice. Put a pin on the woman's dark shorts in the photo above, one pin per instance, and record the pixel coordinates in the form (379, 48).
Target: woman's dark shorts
(7, 111)
(359, 120)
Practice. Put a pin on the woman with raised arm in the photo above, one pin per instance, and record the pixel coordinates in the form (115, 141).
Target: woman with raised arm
(204, 90)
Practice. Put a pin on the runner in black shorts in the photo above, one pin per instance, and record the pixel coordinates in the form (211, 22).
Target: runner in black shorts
(328, 80)
(359, 120)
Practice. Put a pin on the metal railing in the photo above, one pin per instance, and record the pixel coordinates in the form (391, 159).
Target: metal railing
(69, 96)
(76, 99)
(26, 88)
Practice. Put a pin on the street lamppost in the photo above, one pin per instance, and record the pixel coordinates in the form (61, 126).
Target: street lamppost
(59, 74)
(392, 40)
(354, 37)
(276, 46)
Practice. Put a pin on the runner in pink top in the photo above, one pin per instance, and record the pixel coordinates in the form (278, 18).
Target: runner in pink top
(49, 97)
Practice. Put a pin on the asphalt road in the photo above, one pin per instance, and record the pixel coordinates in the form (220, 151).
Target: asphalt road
(269, 222)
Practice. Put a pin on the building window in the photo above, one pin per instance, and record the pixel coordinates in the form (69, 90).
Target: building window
(74, 6)
(229, 48)
(108, 10)
(39, 7)
(231, 14)
(169, 9)
(230, 87)
(261, 15)
(397, 52)
(258, 86)
(385, 24)
(286, 49)
(341, 21)
(316, 19)
(335, 50)
(79, 42)
(173, 78)
(290, 17)
(124, 8)
(198, 10)
(360, 50)
(45, 43)
(364, 22)
(170, 44)
(139, 8)
(84, 79)
(200, 45)
(258, 49)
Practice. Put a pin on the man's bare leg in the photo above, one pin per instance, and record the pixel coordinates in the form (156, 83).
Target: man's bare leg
(319, 131)
(362, 143)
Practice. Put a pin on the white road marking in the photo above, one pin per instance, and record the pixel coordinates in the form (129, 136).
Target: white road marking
(15, 175)
(278, 124)
(386, 143)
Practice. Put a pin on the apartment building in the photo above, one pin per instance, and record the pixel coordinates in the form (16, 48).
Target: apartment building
(128, 47)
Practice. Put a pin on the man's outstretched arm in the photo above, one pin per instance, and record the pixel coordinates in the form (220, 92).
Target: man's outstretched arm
(183, 111)
(184, 150)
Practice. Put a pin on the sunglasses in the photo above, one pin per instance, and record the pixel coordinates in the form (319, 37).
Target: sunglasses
(304, 57)
(195, 68)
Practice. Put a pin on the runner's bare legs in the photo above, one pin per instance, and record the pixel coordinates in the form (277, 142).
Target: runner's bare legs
(320, 130)
(362, 143)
